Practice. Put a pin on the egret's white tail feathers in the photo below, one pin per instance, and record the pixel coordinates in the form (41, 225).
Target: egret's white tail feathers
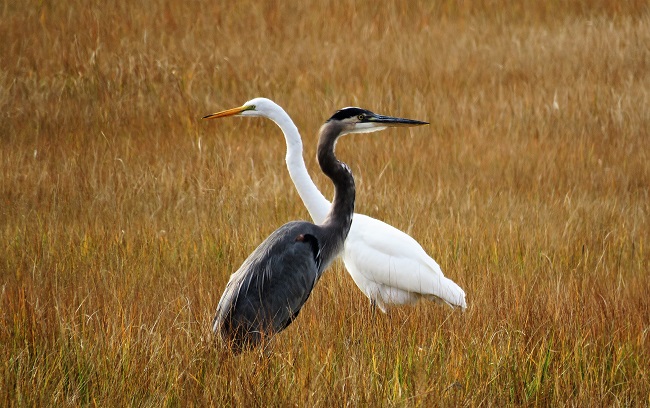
(460, 304)
(446, 293)
(453, 295)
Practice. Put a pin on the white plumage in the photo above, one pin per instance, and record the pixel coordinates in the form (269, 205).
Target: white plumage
(388, 266)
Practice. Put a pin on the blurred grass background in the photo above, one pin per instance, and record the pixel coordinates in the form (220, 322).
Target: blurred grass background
(123, 214)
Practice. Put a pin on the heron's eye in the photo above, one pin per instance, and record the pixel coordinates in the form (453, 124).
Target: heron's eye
(361, 117)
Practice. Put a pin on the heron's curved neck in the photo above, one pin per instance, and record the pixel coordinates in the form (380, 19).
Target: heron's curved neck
(317, 205)
(339, 218)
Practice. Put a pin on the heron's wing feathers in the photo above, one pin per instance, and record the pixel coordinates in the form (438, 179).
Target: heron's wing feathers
(266, 293)
(387, 256)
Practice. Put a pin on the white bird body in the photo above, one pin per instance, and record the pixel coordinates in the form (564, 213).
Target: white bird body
(392, 268)
(388, 265)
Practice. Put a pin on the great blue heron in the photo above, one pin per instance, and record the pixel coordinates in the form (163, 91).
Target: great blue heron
(266, 293)
(388, 265)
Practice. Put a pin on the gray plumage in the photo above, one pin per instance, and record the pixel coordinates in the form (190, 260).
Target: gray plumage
(257, 304)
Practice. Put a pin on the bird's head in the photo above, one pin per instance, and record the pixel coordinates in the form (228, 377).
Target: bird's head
(357, 120)
(258, 107)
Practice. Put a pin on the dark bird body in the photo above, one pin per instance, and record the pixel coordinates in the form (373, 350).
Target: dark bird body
(268, 291)
(287, 266)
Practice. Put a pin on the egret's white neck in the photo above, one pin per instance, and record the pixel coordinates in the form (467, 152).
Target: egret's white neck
(317, 205)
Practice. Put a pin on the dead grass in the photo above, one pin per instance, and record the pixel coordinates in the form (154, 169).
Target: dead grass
(123, 214)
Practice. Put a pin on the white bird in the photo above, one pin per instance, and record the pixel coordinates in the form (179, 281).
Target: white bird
(386, 264)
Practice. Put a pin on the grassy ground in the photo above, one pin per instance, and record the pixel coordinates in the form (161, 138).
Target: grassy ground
(123, 214)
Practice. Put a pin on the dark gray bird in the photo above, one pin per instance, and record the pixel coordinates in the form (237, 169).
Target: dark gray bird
(267, 292)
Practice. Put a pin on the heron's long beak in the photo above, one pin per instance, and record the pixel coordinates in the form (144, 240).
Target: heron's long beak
(390, 121)
(229, 112)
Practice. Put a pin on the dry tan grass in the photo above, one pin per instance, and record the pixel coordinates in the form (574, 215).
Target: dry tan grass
(123, 214)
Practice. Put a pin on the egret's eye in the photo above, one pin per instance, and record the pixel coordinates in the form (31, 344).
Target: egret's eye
(361, 117)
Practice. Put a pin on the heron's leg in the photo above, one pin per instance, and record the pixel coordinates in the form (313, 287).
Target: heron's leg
(373, 306)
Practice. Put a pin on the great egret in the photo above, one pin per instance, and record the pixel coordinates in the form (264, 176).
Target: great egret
(267, 292)
(387, 265)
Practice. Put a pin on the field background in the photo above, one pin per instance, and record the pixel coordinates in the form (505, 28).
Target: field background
(123, 214)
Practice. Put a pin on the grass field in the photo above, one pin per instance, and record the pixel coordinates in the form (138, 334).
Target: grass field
(123, 214)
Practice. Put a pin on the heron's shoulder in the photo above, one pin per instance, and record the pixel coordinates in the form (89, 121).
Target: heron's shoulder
(296, 228)
(288, 234)
(282, 244)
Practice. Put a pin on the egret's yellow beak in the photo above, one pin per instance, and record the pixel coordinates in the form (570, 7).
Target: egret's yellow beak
(229, 112)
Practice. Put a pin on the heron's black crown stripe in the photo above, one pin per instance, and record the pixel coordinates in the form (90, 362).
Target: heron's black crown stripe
(346, 113)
